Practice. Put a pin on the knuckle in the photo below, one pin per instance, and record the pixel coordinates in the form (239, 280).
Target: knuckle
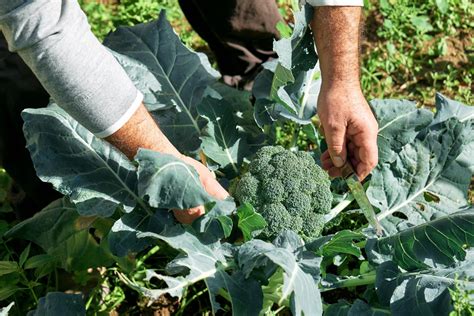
(335, 148)
(373, 164)
(334, 126)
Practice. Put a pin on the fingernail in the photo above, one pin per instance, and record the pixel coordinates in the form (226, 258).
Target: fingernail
(338, 162)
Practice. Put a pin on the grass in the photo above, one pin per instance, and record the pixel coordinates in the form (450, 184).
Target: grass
(414, 48)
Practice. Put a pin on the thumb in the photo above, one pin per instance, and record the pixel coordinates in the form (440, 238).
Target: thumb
(336, 140)
(214, 188)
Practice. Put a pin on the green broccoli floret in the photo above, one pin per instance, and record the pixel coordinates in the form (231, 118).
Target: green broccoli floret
(288, 189)
(279, 219)
(248, 190)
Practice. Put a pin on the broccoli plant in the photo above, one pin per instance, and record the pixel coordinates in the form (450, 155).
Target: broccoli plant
(288, 189)
(419, 189)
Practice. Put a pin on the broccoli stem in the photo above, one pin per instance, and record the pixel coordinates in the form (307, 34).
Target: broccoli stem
(339, 208)
(294, 140)
(363, 279)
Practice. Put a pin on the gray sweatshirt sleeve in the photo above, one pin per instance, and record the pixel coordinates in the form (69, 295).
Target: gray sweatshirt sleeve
(54, 39)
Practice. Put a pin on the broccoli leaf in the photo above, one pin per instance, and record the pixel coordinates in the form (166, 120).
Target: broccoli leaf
(123, 236)
(417, 266)
(250, 223)
(221, 141)
(399, 123)
(96, 176)
(425, 291)
(62, 233)
(168, 182)
(425, 180)
(447, 108)
(58, 303)
(145, 81)
(207, 262)
(288, 82)
(300, 272)
(439, 243)
(182, 74)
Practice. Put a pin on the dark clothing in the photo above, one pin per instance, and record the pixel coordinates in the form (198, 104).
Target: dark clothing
(240, 33)
(19, 89)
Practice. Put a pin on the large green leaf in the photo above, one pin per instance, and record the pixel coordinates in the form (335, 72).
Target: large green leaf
(96, 176)
(222, 142)
(203, 262)
(182, 74)
(57, 303)
(168, 182)
(62, 233)
(145, 81)
(399, 122)
(446, 109)
(126, 234)
(123, 236)
(425, 163)
(418, 265)
(300, 270)
(425, 292)
(288, 82)
(439, 243)
(424, 181)
(241, 106)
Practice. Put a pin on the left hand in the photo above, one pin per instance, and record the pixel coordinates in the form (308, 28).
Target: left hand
(350, 129)
(209, 183)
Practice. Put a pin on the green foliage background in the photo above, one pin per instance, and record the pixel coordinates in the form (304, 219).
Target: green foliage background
(410, 49)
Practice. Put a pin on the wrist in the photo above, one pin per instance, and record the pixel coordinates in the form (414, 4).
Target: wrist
(341, 87)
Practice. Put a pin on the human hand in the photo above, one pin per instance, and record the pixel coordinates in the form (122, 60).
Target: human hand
(209, 183)
(350, 129)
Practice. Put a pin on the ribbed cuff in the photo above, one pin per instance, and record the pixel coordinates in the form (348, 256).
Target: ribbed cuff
(124, 119)
(322, 3)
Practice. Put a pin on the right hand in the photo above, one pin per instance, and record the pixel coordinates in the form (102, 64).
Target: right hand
(350, 129)
(209, 183)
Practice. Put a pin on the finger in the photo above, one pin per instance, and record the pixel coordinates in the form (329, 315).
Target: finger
(368, 154)
(355, 162)
(334, 172)
(351, 147)
(214, 188)
(355, 154)
(336, 140)
(327, 165)
(326, 161)
(352, 152)
(325, 156)
(188, 216)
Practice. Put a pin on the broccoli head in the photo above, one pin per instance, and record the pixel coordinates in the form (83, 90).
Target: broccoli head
(288, 189)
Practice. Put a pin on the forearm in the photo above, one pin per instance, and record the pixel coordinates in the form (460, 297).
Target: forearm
(54, 39)
(337, 36)
(141, 131)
